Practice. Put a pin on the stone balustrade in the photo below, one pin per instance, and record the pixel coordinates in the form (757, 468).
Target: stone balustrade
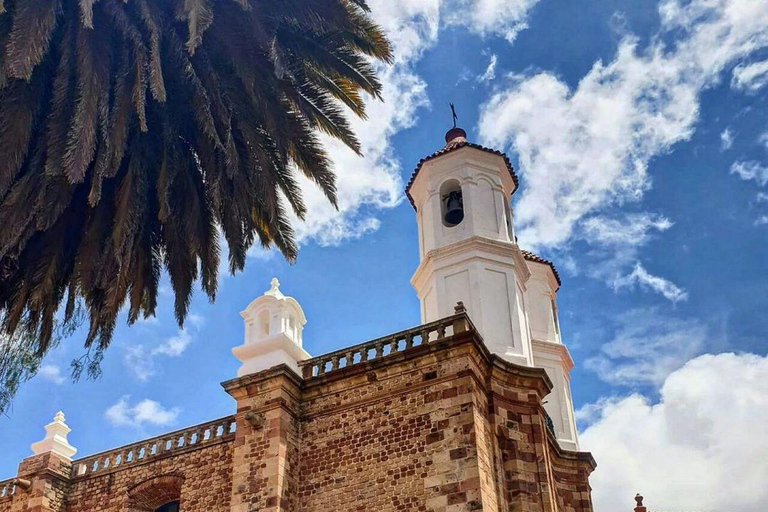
(388, 345)
(7, 488)
(190, 438)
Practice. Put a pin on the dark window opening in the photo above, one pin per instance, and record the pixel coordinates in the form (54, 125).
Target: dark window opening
(169, 507)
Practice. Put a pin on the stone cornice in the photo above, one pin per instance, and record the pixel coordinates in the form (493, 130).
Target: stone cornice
(464, 248)
(570, 455)
(556, 350)
(254, 379)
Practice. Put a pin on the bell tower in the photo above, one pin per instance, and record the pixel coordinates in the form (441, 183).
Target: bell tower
(466, 243)
(468, 252)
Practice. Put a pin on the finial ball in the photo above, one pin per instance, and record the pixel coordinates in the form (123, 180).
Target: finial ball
(639, 500)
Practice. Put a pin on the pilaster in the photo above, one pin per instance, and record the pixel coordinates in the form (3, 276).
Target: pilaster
(266, 446)
(46, 478)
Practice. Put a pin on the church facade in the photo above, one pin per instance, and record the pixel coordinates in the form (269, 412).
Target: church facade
(469, 411)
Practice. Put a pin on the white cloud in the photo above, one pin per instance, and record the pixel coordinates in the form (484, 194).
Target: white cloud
(726, 140)
(140, 359)
(750, 77)
(751, 170)
(366, 185)
(490, 72)
(646, 347)
(503, 18)
(196, 321)
(615, 251)
(754, 171)
(589, 413)
(584, 149)
(173, 346)
(633, 230)
(145, 412)
(373, 183)
(52, 372)
(641, 277)
(704, 431)
(763, 139)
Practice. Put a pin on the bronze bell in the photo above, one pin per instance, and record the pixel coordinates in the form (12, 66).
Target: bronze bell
(454, 208)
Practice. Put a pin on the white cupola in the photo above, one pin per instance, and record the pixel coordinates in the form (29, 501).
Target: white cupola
(273, 333)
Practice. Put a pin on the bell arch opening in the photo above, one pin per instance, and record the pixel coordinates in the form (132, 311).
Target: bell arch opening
(451, 203)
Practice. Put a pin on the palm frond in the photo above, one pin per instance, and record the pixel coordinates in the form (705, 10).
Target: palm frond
(133, 135)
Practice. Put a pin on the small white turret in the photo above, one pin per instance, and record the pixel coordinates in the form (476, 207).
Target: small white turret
(273, 333)
(55, 440)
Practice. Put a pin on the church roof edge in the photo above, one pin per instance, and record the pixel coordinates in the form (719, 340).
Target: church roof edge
(528, 255)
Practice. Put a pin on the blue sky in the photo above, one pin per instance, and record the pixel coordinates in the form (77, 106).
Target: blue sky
(640, 134)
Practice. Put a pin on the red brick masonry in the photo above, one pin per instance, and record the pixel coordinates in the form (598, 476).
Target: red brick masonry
(443, 426)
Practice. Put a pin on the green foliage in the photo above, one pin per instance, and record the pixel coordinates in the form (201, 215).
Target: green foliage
(20, 358)
(133, 132)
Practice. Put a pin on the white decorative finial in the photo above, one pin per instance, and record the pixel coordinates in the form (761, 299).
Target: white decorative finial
(274, 289)
(55, 440)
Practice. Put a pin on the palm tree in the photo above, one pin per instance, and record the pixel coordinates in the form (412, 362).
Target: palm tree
(133, 132)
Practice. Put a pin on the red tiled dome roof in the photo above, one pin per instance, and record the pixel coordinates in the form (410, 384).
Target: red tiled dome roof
(528, 255)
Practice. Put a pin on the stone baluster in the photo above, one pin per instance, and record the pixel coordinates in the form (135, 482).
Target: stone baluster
(408, 340)
(393, 344)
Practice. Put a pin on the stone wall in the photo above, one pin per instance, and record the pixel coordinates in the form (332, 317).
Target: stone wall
(440, 426)
(200, 477)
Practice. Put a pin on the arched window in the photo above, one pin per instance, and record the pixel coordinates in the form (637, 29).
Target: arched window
(158, 494)
(264, 323)
(451, 203)
(169, 507)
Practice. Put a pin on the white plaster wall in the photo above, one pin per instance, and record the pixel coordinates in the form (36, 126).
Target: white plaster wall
(486, 279)
(541, 291)
(555, 360)
(485, 186)
(478, 263)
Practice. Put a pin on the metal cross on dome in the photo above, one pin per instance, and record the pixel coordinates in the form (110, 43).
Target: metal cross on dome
(453, 113)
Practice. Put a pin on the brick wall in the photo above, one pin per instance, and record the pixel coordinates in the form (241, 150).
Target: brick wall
(201, 479)
(442, 427)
